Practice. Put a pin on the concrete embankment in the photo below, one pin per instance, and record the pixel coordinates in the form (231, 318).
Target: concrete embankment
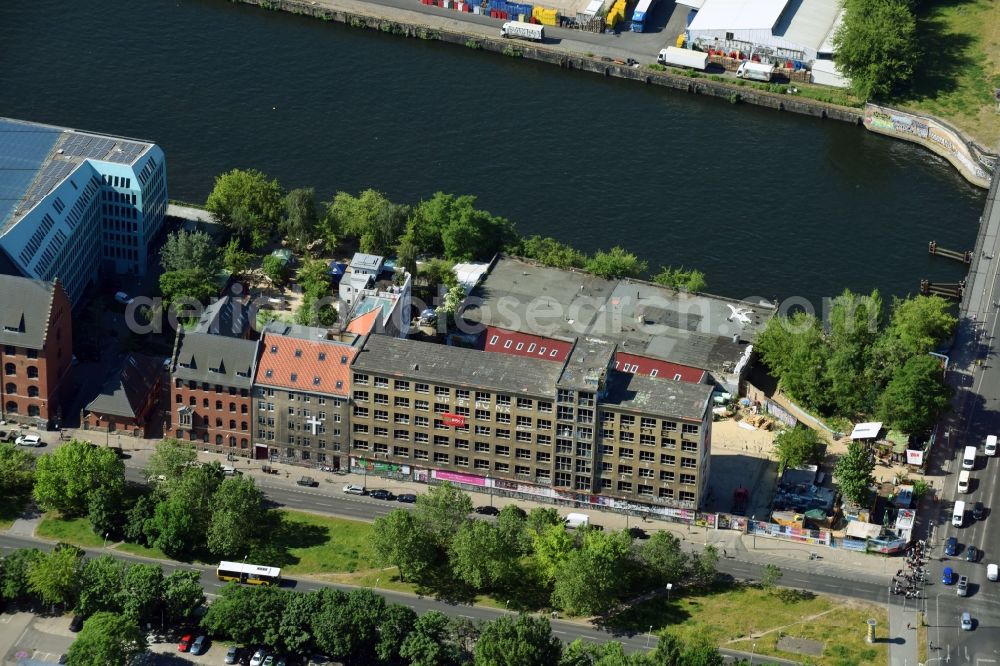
(973, 163)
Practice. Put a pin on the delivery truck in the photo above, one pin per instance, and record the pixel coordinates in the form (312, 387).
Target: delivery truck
(683, 58)
(577, 520)
(523, 30)
(755, 71)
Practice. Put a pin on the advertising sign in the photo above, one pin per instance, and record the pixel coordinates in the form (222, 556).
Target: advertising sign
(453, 420)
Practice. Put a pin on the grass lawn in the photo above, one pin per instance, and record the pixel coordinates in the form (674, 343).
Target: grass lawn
(320, 544)
(960, 68)
(70, 530)
(10, 509)
(728, 616)
(136, 549)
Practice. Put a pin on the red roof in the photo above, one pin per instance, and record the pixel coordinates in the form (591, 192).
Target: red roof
(307, 365)
(652, 367)
(524, 344)
(365, 323)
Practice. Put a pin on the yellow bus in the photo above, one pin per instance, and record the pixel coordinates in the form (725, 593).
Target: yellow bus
(251, 574)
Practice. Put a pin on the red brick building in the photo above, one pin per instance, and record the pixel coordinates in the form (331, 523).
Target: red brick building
(36, 350)
(128, 399)
(211, 380)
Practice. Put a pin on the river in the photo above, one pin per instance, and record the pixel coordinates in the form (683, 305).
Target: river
(766, 204)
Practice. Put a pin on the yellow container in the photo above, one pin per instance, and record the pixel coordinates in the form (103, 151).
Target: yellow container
(680, 41)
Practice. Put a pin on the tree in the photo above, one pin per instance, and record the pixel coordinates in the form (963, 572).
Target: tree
(855, 321)
(313, 277)
(276, 269)
(615, 263)
(301, 220)
(247, 204)
(406, 256)
(183, 595)
(481, 557)
(296, 628)
(442, 510)
(679, 278)
(395, 625)
(612, 653)
(190, 284)
(16, 470)
(428, 221)
(453, 227)
(105, 511)
(194, 250)
(550, 252)
(512, 523)
(541, 518)
(854, 472)
(250, 614)
(400, 539)
(439, 271)
(916, 396)
(769, 577)
(316, 311)
(431, 643)
(452, 301)
(347, 627)
(169, 462)
(141, 590)
(385, 230)
(100, 581)
(236, 260)
(919, 324)
(591, 577)
(796, 352)
(705, 566)
(55, 576)
(353, 216)
(65, 478)
(525, 641)
(173, 528)
(796, 447)
(107, 640)
(138, 519)
(662, 558)
(552, 547)
(14, 584)
(876, 46)
(237, 515)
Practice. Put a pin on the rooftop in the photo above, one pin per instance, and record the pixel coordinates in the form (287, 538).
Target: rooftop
(457, 366)
(305, 364)
(215, 359)
(35, 158)
(809, 22)
(367, 262)
(738, 14)
(126, 390)
(663, 397)
(587, 365)
(226, 316)
(24, 311)
(643, 318)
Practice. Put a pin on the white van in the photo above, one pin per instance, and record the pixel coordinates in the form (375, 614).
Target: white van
(958, 514)
(991, 572)
(991, 445)
(574, 520)
(969, 458)
(963, 481)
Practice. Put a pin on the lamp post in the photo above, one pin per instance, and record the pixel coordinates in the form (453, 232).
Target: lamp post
(489, 484)
(753, 649)
(670, 586)
(649, 636)
(754, 519)
(106, 534)
(243, 573)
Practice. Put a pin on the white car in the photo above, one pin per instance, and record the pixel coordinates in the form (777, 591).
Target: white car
(123, 298)
(966, 622)
(352, 489)
(29, 440)
(258, 658)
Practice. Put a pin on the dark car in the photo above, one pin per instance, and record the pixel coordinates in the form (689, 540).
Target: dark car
(978, 511)
(971, 554)
(382, 494)
(406, 498)
(487, 510)
(951, 546)
(638, 533)
(948, 576)
(307, 481)
(76, 624)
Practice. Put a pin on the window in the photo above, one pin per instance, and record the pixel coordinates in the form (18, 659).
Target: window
(668, 443)
(441, 392)
(482, 396)
(483, 431)
(627, 420)
(421, 421)
(482, 415)
(626, 436)
(503, 417)
(645, 473)
(503, 401)
(461, 461)
(361, 396)
(669, 426)
(543, 424)
(420, 454)
(402, 419)
(687, 496)
(525, 403)
(462, 444)
(381, 432)
(523, 437)
(667, 459)
(667, 476)
(624, 486)
(361, 380)
(524, 422)
(690, 447)
(646, 422)
(461, 394)
(381, 382)
(9, 369)
(647, 440)
(401, 435)
(564, 413)
(646, 456)
(32, 353)
(381, 415)
(625, 470)
(441, 458)
(543, 457)
(502, 467)
(503, 433)
(421, 438)
(33, 392)
(421, 388)
(625, 453)
(502, 450)
(381, 399)
(687, 428)
(543, 440)
(441, 440)
(401, 452)
(11, 389)
(360, 427)
(422, 405)
(688, 479)
(545, 407)
(689, 463)
(482, 447)
(481, 464)
(401, 385)
(666, 493)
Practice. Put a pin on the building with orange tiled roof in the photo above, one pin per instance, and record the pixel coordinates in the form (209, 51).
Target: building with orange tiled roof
(301, 391)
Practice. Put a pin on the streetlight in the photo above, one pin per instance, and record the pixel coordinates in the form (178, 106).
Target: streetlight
(670, 586)
(649, 636)
(754, 519)
(106, 534)
(489, 484)
(507, 605)
(753, 649)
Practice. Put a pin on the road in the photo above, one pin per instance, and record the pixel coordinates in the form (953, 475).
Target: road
(975, 372)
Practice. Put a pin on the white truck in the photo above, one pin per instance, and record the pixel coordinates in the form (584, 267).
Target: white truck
(755, 71)
(523, 30)
(575, 520)
(683, 58)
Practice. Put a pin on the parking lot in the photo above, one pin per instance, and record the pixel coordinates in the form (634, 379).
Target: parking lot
(32, 640)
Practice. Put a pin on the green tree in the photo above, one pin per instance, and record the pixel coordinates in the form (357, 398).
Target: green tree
(662, 558)
(395, 625)
(14, 584)
(173, 528)
(680, 278)
(141, 590)
(399, 539)
(183, 250)
(316, 311)
(385, 230)
(313, 277)
(406, 256)
(236, 260)
(65, 478)
(16, 470)
(248, 205)
(853, 472)
(55, 576)
(525, 641)
(796, 447)
(137, 520)
(550, 252)
(919, 324)
(512, 522)
(876, 46)
(238, 513)
(438, 271)
(250, 614)
(541, 518)
(916, 396)
(427, 223)
(301, 220)
(796, 352)
(855, 322)
(451, 302)
(705, 566)
(183, 595)
(100, 582)
(442, 510)
(105, 511)
(189, 284)
(481, 557)
(431, 642)
(453, 227)
(552, 547)
(347, 627)
(769, 577)
(107, 640)
(276, 269)
(612, 653)
(296, 628)
(591, 577)
(170, 461)
(615, 263)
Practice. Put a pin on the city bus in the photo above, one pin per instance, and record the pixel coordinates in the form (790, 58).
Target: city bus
(251, 574)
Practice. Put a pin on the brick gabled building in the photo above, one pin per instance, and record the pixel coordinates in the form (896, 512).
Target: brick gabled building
(211, 381)
(36, 350)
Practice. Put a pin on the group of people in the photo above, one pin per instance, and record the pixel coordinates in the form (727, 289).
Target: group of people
(907, 581)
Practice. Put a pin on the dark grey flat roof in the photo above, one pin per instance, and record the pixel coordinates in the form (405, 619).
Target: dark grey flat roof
(661, 397)
(429, 362)
(198, 354)
(24, 311)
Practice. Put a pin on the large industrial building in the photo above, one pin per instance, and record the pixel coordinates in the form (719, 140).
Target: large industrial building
(75, 204)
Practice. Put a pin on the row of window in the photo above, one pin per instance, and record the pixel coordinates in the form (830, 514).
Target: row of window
(193, 401)
(11, 389)
(10, 370)
(11, 350)
(194, 386)
(11, 408)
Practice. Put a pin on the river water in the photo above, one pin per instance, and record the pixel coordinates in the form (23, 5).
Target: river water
(765, 203)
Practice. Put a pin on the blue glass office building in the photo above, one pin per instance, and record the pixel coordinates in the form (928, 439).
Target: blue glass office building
(74, 204)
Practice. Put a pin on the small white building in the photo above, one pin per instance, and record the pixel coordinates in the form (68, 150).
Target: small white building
(360, 275)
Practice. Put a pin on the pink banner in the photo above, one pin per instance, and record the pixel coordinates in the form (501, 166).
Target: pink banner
(458, 478)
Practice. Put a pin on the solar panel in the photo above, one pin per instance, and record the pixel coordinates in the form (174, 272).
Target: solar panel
(51, 176)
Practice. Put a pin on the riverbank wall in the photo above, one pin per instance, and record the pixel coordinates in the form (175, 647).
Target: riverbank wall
(382, 18)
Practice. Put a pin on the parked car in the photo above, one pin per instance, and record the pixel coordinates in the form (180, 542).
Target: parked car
(76, 624)
(200, 645)
(382, 494)
(487, 510)
(406, 498)
(966, 622)
(978, 511)
(307, 481)
(963, 586)
(258, 657)
(352, 489)
(971, 554)
(185, 643)
(123, 298)
(232, 654)
(268, 661)
(29, 440)
(951, 546)
(948, 576)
